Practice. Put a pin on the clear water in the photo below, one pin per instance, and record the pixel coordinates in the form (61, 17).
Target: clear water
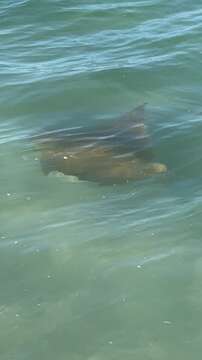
(91, 272)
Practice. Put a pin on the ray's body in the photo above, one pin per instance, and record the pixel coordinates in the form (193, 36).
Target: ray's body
(112, 154)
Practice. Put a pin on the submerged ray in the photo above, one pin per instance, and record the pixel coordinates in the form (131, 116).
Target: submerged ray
(116, 153)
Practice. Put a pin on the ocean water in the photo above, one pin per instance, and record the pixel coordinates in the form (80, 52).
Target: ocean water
(90, 272)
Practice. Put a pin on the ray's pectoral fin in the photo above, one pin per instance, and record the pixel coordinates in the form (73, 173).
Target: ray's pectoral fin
(132, 124)
(132, 133)
(135, 116)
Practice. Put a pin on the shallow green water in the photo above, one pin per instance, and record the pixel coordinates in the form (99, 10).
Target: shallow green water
(91, 272)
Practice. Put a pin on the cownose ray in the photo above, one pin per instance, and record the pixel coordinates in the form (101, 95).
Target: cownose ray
(110, 154)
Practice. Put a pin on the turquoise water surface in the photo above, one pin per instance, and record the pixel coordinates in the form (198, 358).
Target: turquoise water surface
(90, 272)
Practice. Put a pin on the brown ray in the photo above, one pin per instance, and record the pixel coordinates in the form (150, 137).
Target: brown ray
(111, 154)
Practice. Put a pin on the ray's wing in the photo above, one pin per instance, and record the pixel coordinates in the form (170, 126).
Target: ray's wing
(135, 116)
(131, 133)
(127, 134)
